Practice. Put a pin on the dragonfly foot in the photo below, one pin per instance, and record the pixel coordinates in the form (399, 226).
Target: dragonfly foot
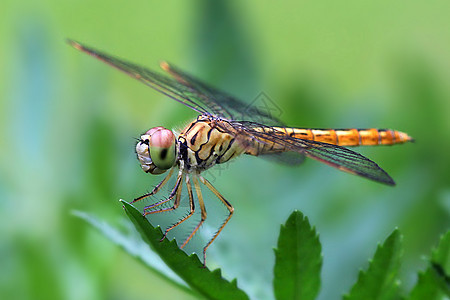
(163, 238)
(204, 259)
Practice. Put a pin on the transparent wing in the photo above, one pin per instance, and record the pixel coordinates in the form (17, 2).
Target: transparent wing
(335, 156)
(162, 84)
(185, 89)
(291, 159)
(219, 102)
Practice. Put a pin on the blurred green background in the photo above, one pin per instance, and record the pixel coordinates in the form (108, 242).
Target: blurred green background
(68, 123)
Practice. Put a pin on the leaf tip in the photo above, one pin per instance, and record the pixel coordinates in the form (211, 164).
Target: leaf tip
(217, 272)
(234, 282)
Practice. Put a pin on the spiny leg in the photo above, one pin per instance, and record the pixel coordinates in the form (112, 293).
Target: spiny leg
(156, 188)
(227, 205)
(175, 206)
(177, 187)
(202, 208)
(191, 204)
(176, 203)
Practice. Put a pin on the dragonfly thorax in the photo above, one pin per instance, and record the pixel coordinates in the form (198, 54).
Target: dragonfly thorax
(206, 142)
(156, 150)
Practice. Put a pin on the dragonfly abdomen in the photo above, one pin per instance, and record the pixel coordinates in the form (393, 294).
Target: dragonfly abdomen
(350, 137)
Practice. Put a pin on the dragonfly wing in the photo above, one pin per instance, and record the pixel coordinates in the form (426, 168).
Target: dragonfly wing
(347, 160)
(219, 102)
(286, 158)
(333, 155)
(185, 89)
(167, 86)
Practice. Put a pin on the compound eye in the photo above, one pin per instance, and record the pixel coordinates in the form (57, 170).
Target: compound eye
(162, 147)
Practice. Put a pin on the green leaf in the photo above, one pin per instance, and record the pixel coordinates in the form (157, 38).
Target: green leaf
(441, 255)
(135, 246)
(298, 260)
(380, 280)
(434, 282)
(209, 284)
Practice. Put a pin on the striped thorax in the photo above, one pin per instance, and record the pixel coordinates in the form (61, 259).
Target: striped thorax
(203, 144)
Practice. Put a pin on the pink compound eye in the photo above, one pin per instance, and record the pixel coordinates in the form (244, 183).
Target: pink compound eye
(153, 130)
(162, 147)
(161, 137)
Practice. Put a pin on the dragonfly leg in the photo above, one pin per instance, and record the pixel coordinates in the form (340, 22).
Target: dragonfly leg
(157, 188)
(177, 202)
(227, 205)
(203, 212)
(178, 186)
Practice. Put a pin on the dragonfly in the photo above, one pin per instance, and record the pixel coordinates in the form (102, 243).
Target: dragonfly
(225, 129)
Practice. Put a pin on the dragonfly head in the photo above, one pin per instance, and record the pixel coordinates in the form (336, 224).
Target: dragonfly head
(156, 150)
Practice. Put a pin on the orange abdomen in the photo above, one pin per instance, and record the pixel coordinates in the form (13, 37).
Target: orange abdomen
(350, 137)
